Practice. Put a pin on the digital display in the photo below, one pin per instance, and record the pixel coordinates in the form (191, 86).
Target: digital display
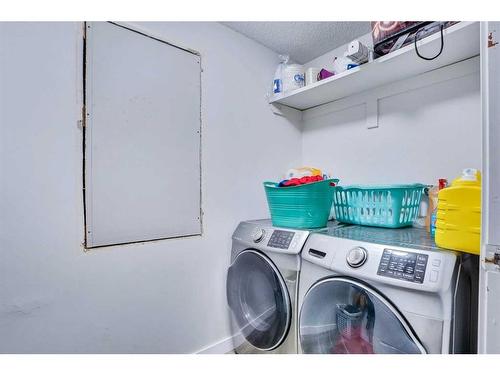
(281, 239)
(402, 265)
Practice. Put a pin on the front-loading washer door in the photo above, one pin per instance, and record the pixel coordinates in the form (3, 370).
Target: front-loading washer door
(259, 301)
(342, 316)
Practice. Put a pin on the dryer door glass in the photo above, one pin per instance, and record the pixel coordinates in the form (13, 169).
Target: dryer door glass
(342, 316)
(258, 298)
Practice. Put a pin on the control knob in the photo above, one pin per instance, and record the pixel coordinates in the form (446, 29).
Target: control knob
(258, 235)
(356, 257)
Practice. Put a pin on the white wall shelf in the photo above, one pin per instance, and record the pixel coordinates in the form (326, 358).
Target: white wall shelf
(461, 41)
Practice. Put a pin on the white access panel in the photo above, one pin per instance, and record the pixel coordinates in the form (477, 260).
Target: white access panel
(142, 158)
(489, 294)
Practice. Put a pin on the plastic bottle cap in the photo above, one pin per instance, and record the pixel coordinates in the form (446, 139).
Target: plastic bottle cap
(443, 182)
(469, 174)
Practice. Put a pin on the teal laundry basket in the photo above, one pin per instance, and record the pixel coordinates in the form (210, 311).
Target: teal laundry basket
(302, 206)
(391, 206)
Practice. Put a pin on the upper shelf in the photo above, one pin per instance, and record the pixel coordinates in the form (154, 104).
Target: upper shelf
(461, 41)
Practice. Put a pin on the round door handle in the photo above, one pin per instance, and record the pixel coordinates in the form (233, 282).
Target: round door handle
(356, 257)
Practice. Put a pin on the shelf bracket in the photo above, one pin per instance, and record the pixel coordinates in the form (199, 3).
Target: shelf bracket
(277, 109)
(372, 113)
(285, 111)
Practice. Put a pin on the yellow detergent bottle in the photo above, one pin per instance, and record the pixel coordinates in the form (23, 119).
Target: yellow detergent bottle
(458, 220)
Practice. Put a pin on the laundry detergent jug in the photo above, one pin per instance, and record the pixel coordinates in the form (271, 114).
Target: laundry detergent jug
(458, 222)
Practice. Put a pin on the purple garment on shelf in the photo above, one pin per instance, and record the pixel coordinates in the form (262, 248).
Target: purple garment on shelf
(324, 74)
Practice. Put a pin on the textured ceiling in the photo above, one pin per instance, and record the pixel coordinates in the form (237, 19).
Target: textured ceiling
(303, 41)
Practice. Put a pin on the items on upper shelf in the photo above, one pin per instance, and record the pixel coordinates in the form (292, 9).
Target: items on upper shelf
(358, 53)
(461, 41)
(287, 77)
(389, 36)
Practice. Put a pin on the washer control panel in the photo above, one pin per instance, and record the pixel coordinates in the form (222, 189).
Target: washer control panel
(403, 265)
(281, 239)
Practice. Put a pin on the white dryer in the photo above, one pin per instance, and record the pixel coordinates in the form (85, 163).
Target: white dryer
(373, 290)
(262, 287)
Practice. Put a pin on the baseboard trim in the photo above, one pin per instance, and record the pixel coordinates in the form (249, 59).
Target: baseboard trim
(221, 347)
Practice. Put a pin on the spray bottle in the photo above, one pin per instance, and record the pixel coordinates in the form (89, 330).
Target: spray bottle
(278, 75)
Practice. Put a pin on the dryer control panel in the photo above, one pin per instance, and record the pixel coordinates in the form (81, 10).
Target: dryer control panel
(262, 235)
(403, 265)
(281, 239)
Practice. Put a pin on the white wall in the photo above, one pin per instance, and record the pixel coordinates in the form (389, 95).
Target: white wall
(165, 296)
(429, 128)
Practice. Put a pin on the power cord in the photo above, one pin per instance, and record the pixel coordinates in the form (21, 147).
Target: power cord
(440, 51)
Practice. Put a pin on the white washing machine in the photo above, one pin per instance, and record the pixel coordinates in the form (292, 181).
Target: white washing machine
(262, 287)
(373, 290)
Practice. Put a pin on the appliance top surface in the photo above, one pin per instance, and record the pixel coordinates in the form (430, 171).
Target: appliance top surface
(411, 238)
(332, 224)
